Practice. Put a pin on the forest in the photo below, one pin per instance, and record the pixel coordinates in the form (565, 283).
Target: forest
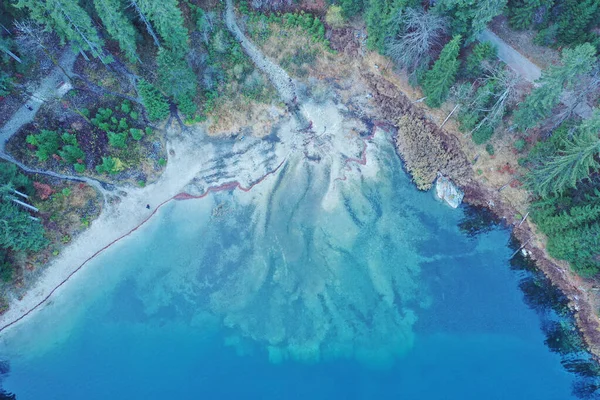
(144, 62)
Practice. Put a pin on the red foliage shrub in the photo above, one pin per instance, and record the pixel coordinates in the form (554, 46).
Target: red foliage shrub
(42, 190)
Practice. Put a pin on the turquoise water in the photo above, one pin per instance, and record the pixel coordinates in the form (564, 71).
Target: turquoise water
(282, 293)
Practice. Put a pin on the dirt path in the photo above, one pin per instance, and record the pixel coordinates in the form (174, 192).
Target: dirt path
(47, 90)
(280, 79)
(50, 88)
(515, 60)
(529, 71)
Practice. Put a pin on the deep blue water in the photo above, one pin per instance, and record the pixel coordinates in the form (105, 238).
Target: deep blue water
(389, 294)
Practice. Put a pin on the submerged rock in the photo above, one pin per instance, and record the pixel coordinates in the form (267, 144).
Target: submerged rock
(446, 190)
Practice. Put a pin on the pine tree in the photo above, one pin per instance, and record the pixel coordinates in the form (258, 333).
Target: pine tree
(574, 21)
(576, 63)
(118, 25)
(523, 13)
(69, 21)
(144, 19)
(574, 163)
(350, 8)
(440, 78)
(469, 17)
(168, 21)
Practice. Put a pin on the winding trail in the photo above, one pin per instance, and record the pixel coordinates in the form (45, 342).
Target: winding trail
(54, 86)
(47, 90)
(277, 75)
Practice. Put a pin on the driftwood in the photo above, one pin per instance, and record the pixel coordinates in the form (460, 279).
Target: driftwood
(520, 248)
(449, 115)
(19, 202)
(523, 220)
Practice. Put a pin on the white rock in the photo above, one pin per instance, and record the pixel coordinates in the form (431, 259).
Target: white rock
(446, 190)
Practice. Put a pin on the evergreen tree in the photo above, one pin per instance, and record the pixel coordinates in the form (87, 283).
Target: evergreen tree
(523, 14)
(440, 78)
(574, 21)
(118, 25)
(350, 8)
(577, 159)
(469, 17)
(142, 17)
(69, 21)
(168, 21)
(576, 63)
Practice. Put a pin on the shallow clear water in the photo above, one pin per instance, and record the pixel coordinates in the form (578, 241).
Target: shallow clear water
(283, 292)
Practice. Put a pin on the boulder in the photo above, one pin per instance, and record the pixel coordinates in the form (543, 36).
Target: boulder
(446, 190)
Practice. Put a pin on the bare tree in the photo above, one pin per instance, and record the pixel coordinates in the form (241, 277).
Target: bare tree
(504, 81)
(33, 38)
(420, 34)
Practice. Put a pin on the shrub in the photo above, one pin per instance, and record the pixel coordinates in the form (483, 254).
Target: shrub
(126, 106)
(490, 149)
(519, 145)
(72, 153)
(123, 125)
(483, 134)
(79, 168)
(148, 131)
(162, 162)
(136, 134)
(425, 153)
(118, 140)
(47, 143)
(110, 165)
(134, 115)
(155, 103)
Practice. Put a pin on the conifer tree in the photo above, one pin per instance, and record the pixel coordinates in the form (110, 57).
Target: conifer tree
(142, 16)
(440, 78)
(69, 21)
(574, 21)
(118, 25)
(166, 17)
(576, 63)
(469, 17)
(575, 162)
(523, 13)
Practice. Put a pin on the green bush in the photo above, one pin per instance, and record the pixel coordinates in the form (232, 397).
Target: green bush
(519, 145)
(490, 149)
(134, 115)
(72, 153)
(118, 140)
(148, 131)
(110, 165)
(136, 134)
(79, 168)
(162, 162)
(47, 143)
(483, 134)
(123, 125)
(155, 103)
(126, 106)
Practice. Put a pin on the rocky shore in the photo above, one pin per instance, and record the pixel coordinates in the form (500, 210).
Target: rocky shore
(396, 107)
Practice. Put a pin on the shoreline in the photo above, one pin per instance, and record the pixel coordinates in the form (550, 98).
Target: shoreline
(574, 288)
